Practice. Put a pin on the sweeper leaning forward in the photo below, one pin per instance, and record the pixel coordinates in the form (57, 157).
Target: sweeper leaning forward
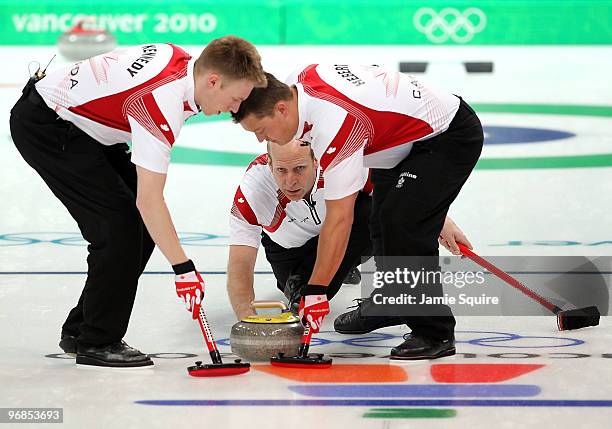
(71, 127)
(421, 144)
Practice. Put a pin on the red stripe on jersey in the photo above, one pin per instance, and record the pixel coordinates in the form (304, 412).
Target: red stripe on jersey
(187, 107)
(279, 214)
(357, 136)
(321, 181)
(260, 160)
(241, 205)
(383, 129)
(276, 222)
(345, 141)
(112, 110)
(147, 113)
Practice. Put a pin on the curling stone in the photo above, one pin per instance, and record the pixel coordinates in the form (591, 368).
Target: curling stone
(80, 43)
(259, 337)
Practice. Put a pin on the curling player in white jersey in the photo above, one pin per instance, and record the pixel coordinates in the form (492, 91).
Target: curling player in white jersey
(421, 144)
(280, 204)
(71, 126)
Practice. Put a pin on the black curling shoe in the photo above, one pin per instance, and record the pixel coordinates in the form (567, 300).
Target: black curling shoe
(116, 355)
(417, 347)
(353, 322)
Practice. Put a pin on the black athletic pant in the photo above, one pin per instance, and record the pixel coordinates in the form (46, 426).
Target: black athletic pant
(97, 184)
(301, 260)
(411, 200)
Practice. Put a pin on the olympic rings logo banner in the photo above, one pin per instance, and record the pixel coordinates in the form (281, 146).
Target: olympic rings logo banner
(450, 24)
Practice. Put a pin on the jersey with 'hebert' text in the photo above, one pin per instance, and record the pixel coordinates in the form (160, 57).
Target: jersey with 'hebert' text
(355, 116)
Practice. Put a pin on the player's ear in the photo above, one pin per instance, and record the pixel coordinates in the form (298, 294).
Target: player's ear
(282, 107)
(213, 79)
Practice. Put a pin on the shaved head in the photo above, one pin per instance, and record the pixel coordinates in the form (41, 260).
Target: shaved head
(294, 168)
(295, 148)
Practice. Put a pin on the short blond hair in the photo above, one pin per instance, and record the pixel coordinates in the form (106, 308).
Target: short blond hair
(233, 58)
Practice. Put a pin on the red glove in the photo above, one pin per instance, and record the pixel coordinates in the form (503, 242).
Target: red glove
(189, 287)
(313, 306)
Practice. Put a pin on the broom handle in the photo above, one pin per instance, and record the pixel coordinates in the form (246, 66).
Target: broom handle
(208, 337)
(507, 278)
(305, 343)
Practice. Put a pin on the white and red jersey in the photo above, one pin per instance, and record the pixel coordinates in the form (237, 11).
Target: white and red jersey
(357, 116)
(260, 205)
(141, 93)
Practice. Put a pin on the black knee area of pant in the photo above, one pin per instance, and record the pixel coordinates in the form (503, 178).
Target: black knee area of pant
(119, 237)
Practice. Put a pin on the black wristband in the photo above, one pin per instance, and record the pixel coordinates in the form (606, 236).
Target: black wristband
(314, 290)
(184, 267)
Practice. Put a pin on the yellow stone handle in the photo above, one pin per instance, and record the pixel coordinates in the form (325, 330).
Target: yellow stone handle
(270, 304)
